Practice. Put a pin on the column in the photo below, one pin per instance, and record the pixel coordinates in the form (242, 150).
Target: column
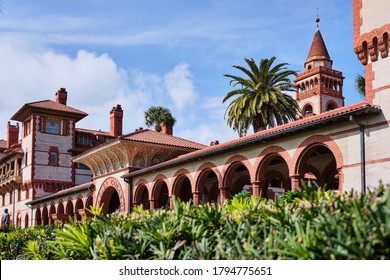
(224, 194)
(295, 182)
(255, 188)
(197, 197)
(153, 203)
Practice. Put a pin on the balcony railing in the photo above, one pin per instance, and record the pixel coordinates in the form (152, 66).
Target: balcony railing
(11, 176)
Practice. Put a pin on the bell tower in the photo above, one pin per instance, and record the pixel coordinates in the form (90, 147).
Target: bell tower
(319, 87)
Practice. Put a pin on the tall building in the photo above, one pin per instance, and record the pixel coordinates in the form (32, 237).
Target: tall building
(57, 170)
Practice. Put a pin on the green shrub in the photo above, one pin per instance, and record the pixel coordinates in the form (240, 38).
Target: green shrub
(312, 225)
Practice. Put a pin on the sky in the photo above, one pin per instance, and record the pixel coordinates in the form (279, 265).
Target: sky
(170, 53)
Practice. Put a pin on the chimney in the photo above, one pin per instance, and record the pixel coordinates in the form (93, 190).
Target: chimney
(166, 129)
(61, 96)
(12, 134)
(116, 116)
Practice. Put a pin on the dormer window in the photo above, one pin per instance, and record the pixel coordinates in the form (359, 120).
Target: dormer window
(83, 139)
(53, 127)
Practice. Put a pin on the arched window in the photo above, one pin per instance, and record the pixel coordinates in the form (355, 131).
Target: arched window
(331, 106)
(308, 110)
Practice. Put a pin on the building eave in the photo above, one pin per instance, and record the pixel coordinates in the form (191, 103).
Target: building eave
(255, 138)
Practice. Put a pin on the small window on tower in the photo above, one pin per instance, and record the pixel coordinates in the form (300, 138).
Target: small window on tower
(53, 159)
(53, 127)
(308, 110)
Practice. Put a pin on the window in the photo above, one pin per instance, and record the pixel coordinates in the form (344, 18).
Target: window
(53, 127)
(83, 139)
(308, 110)
(27, 128)
(53, 156)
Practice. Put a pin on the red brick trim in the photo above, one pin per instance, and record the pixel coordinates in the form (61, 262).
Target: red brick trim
(369, 162)
(267, 155)
(312, 141)
(111, 182)
(178, 178)
(156, 184)
(230, 166)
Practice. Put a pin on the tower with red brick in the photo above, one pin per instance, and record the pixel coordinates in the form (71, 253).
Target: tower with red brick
(319, 87)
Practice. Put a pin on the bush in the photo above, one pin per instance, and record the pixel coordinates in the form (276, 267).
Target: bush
(322, 225)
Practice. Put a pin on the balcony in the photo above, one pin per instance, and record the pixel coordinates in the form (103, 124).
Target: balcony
(11, 179)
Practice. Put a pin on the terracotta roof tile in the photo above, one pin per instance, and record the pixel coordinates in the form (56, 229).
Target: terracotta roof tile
(151, 136)
(94, 132)
(50, 106)
(318, 48)
(259, 135)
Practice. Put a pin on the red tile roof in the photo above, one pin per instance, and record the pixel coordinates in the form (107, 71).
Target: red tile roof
(71, 190)
(94, 132)
(154, 137)
(48, 105)
(318, 49)
(307, 122)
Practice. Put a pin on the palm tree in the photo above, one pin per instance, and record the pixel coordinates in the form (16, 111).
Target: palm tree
(156, 115)
(360, 84)
(261, 100)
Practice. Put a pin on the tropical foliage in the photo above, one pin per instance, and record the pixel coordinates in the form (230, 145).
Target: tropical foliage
(261, 100)
(156, 115)
(360, 85)
(313, 225)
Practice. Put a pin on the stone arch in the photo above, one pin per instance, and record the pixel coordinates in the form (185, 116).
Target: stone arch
(38, 217)
(79, 206)
(139, 161)
(238, 173)
(19, 220)
(160, 193)
(26, 220)
(111, 196)
(273, 170)
(182, 185)
(69, 209)
(308, 109)
(52, 211)
(331, 105)
(141, 196)
(320, 153)
(45, 216)
(207, 182)
(60, 208)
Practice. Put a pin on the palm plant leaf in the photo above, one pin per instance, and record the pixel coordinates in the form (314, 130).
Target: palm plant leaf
(261, 100)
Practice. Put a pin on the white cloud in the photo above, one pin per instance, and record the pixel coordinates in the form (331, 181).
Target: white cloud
(180, 86)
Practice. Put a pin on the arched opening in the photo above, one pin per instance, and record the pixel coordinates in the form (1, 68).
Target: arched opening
(51, 212)
(45, 216)
(274, 176)
(26, 221)
(69, 209)
(38, 217)
(89, 202)
(60, 208)
(317, 166)
(161, 195)
(110, 200)
(18, 220)
(207, 187)
(182, 188)
(142, 197)
(79, 206)
(307, 110)
(237, 179)
(331, 106)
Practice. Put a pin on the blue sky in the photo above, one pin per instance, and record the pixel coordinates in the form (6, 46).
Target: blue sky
(163, 52)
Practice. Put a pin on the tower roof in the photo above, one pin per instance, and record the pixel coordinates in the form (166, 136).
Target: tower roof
(318, 48)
